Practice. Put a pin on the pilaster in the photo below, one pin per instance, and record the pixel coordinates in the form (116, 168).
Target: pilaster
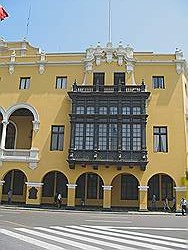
(107, 191)
(143, 198)
(180, 192)
(71, 195)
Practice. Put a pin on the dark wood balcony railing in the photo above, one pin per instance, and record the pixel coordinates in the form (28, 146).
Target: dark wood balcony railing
(108, 88)
(101, 157)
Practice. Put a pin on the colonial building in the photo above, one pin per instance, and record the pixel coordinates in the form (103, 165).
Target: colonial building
(107, 127)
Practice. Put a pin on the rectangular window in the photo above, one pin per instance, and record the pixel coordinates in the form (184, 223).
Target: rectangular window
(61, 82)
(126, 110)
(136, 110)
(90, 110)
(98, 79)
(136, 136)
(57, 138)
(89, 136)
(160, 139)
(119, 78)
(80, 110)
(102, 136)
(24, 83)
(79, 136)
(113, 137)
(126, 137)
(113, 110)
(102, 110)
(158, 82)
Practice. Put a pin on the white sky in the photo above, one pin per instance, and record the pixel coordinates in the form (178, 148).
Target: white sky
(73, 25)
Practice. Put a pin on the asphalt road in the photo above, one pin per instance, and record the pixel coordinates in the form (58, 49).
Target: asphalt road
(30, 229)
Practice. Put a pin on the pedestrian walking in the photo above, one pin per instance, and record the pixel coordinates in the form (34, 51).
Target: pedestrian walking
(153, 202)
(59, 200)
(10, 196)
(183, 204)
(166, 204)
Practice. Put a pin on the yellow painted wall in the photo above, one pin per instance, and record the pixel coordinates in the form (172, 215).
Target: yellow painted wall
(165, 107)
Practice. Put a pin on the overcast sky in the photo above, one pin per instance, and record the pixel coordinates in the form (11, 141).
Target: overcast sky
(73, 25)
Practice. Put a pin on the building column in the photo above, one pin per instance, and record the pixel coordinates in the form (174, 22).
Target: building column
(34, 193)
(143, 198)
(71, 195)
(1, 189)
(4, 133)
(107, 196)
(180, 192)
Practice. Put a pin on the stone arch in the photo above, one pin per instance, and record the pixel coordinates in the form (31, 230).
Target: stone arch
(125, 191)
(161, 185)
(18, 106)
(54, 182)
(89, 189)
(10, 142)
(15, 179)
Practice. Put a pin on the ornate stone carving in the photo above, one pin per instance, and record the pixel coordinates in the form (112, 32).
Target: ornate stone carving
(42, 62)
(109, 54)
(179, 61)
(33, 193)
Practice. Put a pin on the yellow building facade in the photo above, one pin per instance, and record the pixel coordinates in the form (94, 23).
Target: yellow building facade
(105, 128)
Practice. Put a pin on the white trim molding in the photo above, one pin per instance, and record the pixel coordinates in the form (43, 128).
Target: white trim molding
(181, 189)
(1, 183)
(107, 188)
(71, 186)
(34, 184)
(143, 188)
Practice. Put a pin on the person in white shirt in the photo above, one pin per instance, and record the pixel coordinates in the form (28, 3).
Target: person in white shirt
(183, 204)
(59, 200)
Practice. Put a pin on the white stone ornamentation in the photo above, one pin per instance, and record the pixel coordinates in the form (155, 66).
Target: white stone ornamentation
(143, 188)
(107, 188)
(71, 186)
(109, 54)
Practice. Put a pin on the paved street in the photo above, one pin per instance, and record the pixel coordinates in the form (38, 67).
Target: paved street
(35, 229)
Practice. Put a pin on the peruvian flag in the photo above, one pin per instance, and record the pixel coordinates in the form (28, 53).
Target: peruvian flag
(3, 13)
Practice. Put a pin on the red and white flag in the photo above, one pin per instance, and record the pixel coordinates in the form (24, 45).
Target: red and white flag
(3, 13)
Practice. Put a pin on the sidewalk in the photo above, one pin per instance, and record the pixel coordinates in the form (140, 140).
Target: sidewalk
(87, 209)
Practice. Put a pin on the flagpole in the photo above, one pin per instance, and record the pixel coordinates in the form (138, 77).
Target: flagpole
(28, 22)
(109, 21)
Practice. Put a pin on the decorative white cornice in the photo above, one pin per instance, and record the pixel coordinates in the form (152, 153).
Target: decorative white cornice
(107, 187)
(109, 54)
(71, 186)
(181, 189)
(34, 184)
(143, 188)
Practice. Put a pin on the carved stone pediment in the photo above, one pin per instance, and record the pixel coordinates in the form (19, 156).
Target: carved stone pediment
(108, 54)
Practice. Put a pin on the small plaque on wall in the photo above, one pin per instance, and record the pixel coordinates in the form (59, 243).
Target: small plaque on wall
(33, 193)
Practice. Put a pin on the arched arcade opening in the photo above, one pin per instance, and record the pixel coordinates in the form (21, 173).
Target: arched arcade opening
(54, 182)
(89, 190)
(125, 191)
(15, 180)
